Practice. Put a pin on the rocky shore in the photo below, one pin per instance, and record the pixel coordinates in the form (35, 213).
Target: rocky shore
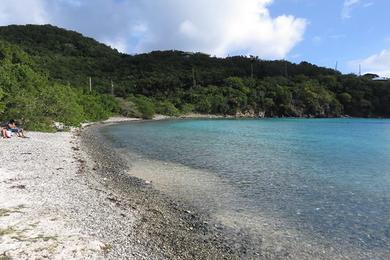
(68, 196)
(166, 229)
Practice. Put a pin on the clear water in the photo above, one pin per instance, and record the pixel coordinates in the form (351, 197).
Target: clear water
(329, 178)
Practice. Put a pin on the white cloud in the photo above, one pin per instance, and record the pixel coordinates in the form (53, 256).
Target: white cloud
(347, 8)
(368, 4)
(119, 44)
(189, 29)
(378, 63)
(217, 27)
(22, 12)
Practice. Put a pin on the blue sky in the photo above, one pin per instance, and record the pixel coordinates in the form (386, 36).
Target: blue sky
(350, 32)
(347, 35)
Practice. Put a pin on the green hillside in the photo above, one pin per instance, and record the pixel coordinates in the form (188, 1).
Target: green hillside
(173, 82)
(27, 94)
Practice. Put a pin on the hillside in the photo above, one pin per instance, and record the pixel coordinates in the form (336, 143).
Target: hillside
(28, 95)
(175, 81)
(72, 58)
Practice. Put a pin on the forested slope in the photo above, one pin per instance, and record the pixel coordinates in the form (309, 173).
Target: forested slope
(27, 94)
(173, 82)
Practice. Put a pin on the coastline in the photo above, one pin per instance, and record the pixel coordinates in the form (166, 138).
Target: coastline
(67, 195)
(165, 228)
(273, 242)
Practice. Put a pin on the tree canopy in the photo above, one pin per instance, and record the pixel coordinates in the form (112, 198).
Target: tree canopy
(28, 95)
(45, 72)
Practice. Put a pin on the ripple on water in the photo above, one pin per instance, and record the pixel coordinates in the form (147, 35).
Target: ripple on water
(298, 183)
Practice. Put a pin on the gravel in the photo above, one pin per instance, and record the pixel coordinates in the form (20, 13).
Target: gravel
(68, 196)
(163, 228)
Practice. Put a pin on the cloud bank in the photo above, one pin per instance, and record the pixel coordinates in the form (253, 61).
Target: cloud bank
(218, 27)
(378, 63)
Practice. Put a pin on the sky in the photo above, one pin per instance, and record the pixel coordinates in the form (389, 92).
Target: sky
(348, 33)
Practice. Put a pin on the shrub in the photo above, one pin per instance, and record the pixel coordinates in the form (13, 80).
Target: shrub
(166, 108)
(187, 108)
(144, 105)
(128, 108)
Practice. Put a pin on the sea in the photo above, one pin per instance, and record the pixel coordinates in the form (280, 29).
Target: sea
(304, 184)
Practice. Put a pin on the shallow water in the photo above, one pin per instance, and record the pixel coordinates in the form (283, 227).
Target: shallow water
(326, 180)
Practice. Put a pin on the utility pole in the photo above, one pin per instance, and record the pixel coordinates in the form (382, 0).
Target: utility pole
(112, 88)
(193, 77)
(252, 69)
(253, 59)
(285, 69)
(337, 64)
(90, 84)
(360, 70)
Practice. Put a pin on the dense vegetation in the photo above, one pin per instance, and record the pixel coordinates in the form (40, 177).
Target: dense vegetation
(28, 95)
(46, 77)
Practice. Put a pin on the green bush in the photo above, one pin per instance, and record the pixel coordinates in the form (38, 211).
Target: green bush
(144, 105)
(128, 108)
(166, 108)
(187, 108)
(26, 94)
(98, 107)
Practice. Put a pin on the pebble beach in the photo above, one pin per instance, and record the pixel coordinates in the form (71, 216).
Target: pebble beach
(67, 196)
(71, 195)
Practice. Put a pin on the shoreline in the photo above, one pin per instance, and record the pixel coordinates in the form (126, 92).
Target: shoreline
(173, 229)
(77, 202)
(70, 195)
(273, 244)
(67, 195)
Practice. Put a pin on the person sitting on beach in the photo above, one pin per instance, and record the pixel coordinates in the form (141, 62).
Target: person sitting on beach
(5, 133)
(11, 127)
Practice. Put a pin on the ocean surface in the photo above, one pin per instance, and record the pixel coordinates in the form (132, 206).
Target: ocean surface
(321, 180)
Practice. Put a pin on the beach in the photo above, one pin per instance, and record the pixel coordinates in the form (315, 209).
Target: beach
(64, 196)
(72, 195)
(53, 207)
(42, 194)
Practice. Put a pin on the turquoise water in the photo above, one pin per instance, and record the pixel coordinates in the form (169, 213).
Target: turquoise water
(325, 177)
